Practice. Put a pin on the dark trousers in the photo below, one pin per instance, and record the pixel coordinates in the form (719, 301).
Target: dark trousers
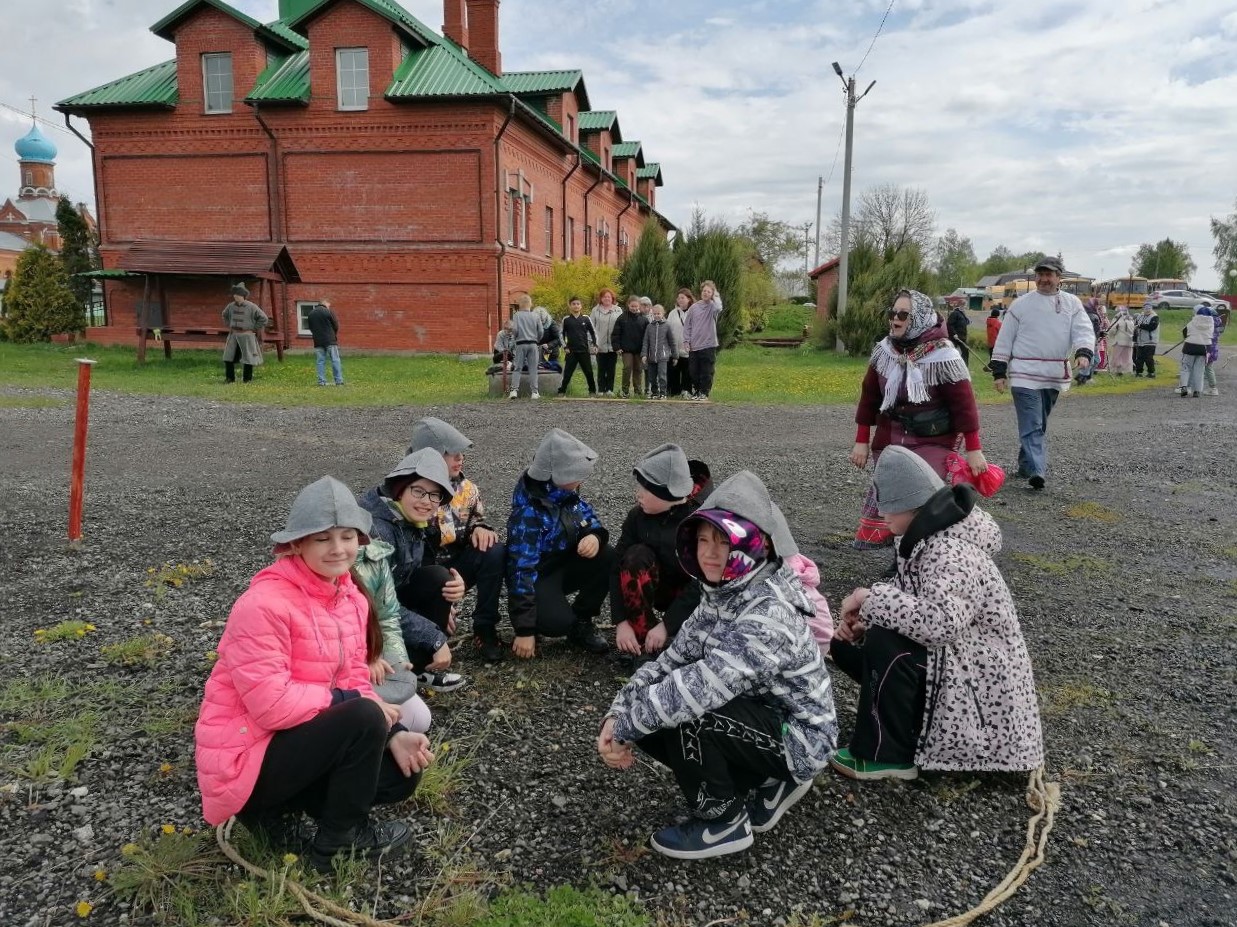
(229, 367)
(1144, 356)
(700, 366)
(639, 590)
(633, 374)
(892, 674)
(605, 371)
(485, 570)
(589, 579)
(422, 593)
(964, 349)
(334, 767)
(722, 755)
(584, 361)
(679, 377)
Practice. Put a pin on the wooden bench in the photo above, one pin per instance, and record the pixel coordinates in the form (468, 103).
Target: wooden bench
(205, 336)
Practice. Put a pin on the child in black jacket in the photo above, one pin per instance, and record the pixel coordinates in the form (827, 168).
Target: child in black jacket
(648, 577)
(581, 341)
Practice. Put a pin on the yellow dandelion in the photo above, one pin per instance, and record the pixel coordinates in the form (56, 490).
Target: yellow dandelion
(129, 849)
(186, 829)
(100, 875)
(83, 908)
(165, 768)
(289, 858)
(90, 627)
(168, 828)
(444, 748)
(212, 656)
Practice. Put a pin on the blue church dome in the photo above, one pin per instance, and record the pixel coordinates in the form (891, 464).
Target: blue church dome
(34, 146)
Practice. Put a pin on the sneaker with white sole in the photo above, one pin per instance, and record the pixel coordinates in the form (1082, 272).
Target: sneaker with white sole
(441, 682)
(535, 396)
(699, 839)
(773, 799)
(852, 767)
(513, 394)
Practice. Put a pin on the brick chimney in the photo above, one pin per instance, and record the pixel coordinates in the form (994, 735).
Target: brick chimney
(455, 22)
(483, 34)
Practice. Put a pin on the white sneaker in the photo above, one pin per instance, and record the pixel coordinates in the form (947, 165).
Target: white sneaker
(1214, 391)
(535, 396)
(513, 394)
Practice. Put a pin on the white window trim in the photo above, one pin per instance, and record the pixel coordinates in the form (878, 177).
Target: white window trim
(549, 231)
(206, 91)
(339, 80)
(303, 307)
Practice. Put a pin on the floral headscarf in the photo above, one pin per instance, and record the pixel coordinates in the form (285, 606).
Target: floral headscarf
(923, 314)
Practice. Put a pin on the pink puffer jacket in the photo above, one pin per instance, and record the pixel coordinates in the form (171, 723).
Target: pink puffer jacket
(809, 578)
(291, 638)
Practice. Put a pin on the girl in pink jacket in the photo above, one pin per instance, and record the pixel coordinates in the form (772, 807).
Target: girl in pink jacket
(289, 723)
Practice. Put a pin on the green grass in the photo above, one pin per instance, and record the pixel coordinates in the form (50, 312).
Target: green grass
(785, 321)
(31, 402)
(747, 374)
(1064, 566)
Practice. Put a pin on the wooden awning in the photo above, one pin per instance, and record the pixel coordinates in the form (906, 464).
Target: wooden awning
(265, 260)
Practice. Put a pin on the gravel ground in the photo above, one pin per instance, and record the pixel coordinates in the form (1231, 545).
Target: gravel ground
(1130, 612)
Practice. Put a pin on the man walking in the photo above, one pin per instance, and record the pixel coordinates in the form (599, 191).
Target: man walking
(324, 327)
(1041, 331)
(957, 326)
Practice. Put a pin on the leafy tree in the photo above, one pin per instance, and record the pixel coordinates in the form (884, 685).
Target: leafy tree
(875, 280)
(77, 250)
(38, 302)
(1224, 231)
(649, 270)
(710, 250)
(580, 277)
(1165, 258)
(955, 262)
(1004, 261)
(772, 239)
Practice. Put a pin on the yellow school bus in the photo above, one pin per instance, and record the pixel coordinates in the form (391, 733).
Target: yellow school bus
(1123, 291)
(1155, 284)
(1078, 286)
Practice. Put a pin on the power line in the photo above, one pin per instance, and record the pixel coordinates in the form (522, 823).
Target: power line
(46, 122)
(879, 29)
(837, 148)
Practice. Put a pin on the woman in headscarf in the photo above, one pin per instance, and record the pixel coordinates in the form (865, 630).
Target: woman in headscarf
(917, 394)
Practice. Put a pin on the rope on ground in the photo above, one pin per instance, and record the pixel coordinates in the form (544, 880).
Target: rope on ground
(1044, 798)
(322, 910)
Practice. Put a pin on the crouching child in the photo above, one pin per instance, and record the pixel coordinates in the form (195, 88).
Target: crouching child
(944, 674)
(739, 706)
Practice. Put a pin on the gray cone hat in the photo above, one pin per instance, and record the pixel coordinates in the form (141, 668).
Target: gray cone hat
(562, 458)
(436, 434)
(324, 504)
(783, 541)
(903, 481)
(667, 466)
(427, 464)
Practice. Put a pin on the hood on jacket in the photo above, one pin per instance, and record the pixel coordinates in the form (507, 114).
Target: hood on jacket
(436, 434)
(324, 504)
(743, 495)
(952, 513)
(702, 479)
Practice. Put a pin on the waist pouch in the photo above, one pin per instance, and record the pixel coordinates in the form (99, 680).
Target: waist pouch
(924, 423)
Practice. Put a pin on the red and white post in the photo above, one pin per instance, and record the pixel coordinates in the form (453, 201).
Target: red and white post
(77, 487)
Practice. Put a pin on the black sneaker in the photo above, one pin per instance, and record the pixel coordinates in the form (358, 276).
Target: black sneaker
(698, 839)
(488, 646)
(282, 833)
(773, 799)
(441, 682)
(586, 637)
(1037, 482)
(368, 841)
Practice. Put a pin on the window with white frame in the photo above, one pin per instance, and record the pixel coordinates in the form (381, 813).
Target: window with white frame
(519, 209)
(303, 308)
(352, 77)
(549, 231)
(217, 82)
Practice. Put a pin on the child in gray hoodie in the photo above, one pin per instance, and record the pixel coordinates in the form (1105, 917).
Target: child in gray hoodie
(660, 348)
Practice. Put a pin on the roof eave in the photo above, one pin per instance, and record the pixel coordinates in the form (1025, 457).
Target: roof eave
(164, 28)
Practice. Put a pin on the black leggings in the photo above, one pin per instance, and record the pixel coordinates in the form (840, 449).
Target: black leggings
(891, 670)
(701, 365)
(334, 767)
(605, 371)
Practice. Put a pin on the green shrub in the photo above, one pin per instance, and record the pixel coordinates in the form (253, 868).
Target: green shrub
(38, 302)
(709, 250)
(649, 271)
(580, 277)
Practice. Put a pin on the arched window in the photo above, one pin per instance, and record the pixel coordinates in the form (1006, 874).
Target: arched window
(29, 178)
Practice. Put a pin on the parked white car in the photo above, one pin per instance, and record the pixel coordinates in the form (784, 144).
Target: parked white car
(1184, 299)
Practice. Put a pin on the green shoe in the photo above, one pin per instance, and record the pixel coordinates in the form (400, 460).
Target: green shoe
(854, 768)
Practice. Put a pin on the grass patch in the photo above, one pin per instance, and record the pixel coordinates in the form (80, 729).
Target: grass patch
(1064, 566)
(1093, 511)
(1066, 698)
(64, 631)
(143, 650)
(31, 402)
(175, 575)
(564, 906)
(445, 777)
(785, 321)
(767, 376)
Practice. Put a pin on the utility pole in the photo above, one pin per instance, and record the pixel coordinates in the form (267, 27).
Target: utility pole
(844, 245)
(820, 188)
(807, 231)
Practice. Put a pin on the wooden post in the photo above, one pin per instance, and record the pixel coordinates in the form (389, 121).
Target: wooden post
(77, 483)
(141, 320)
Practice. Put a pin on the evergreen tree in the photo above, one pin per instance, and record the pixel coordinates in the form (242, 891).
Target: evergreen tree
(711, 251)
(875, 279)
(649, 270)
(77, 250)
(38, 302)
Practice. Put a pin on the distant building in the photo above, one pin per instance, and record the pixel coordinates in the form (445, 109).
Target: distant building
(30, 219)
(415, 183)
(824, 281)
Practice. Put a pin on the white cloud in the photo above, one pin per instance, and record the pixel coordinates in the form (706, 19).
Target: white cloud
(1079, 126)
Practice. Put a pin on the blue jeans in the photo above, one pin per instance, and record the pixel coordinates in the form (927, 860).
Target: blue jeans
(1192, 369)
(1033, 406)
(337, 370)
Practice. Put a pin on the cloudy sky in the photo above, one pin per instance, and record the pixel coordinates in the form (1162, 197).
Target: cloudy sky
(1085, 127)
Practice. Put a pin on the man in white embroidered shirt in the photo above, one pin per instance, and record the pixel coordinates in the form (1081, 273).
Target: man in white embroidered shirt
(1041, 333)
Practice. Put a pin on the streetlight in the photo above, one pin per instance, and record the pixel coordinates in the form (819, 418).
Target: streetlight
(844, 245)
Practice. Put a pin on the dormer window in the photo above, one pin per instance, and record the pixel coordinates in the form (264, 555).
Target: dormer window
(352, 77)
(217, 82)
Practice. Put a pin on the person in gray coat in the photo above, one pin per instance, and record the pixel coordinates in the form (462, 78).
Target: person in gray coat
(740, 705)
(245, 322)
(528, 327)
(660, 348)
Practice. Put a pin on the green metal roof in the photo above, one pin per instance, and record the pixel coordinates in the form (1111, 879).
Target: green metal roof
(387, 9)
(165, 28)
(279, 29)
(542, 81)
(439, 71)
(154, 86)
(650, 171)
(626, 149)
(596, 120)
(285, 80)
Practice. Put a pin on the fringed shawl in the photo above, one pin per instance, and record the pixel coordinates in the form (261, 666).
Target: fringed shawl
(930, 363)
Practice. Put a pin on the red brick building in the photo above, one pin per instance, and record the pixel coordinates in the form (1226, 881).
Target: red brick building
(824, 281)
(416, 185)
